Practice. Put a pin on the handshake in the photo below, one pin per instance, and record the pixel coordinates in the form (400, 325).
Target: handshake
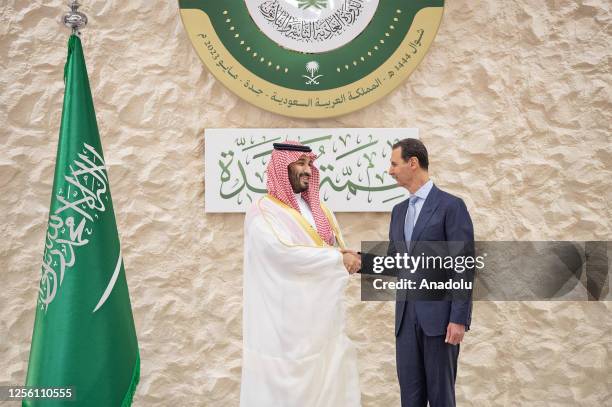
(352, 260)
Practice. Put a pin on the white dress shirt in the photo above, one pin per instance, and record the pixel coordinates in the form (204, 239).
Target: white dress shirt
(421, 196)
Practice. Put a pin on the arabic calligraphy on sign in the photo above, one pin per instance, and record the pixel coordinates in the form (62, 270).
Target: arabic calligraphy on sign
(312, 27)
(289, 56)
(303, 30)
(353, 164)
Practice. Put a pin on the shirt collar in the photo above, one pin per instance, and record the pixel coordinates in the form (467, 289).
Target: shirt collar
(423, 192)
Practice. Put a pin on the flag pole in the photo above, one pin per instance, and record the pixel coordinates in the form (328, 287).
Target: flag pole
(75, 19)
(88, 351)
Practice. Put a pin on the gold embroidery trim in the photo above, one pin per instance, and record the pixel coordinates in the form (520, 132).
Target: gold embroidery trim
(312, 232)
(319, 243)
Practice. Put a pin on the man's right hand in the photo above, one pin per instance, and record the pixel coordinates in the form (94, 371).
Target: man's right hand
(352, 261)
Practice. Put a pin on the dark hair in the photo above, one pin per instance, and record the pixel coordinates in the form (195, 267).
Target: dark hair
(412, 147)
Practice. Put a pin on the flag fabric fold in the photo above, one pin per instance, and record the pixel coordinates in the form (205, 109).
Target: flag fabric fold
(84, 335)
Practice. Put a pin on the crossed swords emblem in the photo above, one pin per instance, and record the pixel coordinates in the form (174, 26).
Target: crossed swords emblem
(312, 67)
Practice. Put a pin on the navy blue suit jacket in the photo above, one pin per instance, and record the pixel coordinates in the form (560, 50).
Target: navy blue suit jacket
(443, 217)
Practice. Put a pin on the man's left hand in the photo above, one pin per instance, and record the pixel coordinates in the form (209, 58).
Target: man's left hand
(454, 333)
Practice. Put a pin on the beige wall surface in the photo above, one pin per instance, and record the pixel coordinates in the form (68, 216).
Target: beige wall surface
(513, 102)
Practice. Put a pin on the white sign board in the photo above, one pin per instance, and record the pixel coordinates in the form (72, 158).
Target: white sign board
(353, 165)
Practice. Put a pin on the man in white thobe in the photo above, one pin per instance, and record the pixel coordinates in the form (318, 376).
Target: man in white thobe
(295, 349)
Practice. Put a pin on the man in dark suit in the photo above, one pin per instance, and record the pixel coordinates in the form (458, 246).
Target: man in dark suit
(427, 333)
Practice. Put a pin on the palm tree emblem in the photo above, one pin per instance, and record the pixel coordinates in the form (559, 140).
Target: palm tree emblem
(312, 67)
(318, 4)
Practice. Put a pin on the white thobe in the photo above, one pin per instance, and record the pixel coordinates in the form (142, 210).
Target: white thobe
(295, 349)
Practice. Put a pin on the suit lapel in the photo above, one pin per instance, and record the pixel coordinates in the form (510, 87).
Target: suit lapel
(398, 227)
(429, 207)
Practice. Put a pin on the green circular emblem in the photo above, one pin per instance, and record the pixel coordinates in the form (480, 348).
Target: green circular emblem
(311, 58)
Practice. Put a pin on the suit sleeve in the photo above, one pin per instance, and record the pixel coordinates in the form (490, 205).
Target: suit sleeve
(391, 248)
(391, 224)
(459, 229)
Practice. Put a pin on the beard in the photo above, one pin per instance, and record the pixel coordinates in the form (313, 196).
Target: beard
(296, 183)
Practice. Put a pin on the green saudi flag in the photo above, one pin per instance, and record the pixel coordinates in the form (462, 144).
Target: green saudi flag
(84, 334)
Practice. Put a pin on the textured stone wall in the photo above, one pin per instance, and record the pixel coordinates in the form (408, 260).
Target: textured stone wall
(513, 101)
